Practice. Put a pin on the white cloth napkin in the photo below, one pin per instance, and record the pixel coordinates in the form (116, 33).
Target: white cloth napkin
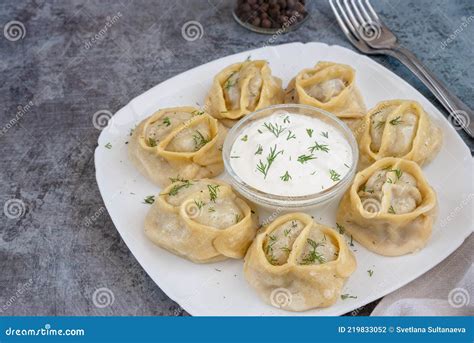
(446, 290)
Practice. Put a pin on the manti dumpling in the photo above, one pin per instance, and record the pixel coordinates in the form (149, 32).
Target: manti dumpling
(399, 128)
(390, 208)
(297, 264)
(178, 142)
(201, 220)
(328, 86)
(242, 88)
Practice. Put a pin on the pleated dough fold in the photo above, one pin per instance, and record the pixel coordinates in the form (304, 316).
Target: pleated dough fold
(390, 208)
(178, 142)
(399, 128)
(201, 220)
(297, 264)
(328, 86)
(242, 88)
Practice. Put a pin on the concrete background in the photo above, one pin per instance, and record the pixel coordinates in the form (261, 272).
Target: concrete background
(55, 78)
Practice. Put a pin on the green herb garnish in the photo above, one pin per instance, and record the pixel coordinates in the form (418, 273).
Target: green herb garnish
(274, 128)
(305, 158)
(396, 121)
(264, 167)
(371, 272)
(213, 190)
(391, 210)
(347, 296)
(286, 177)
(177, 187)
(259, 150)
(313, 255)
(150, 199)
(325, 134)
(166, 121)
(310, 132)
(199, 140)
(334, 175)
(245, 138)
(291, 135)
(108, 145)
(318, 147)
(340, 228)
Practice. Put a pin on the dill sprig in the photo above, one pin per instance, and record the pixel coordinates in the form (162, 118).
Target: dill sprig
(166, 121)
(213, 190)
(150, 199)
(286, 120)
(380, 124)
(334, 175)
(259, 150)
(228, 83)
(347, 296)
(199, 140)
(396, 121)
(318, 147)
(310, 132)
(325, 134)
(274, 128)
(291, 135)
(286, 177)
(151, 142)
(391, 210)
(305, 158)
(313, 255)
(177, 187)
(199, 203)
(264, 167)
(108, 145)
(340, 228)
(245, 138)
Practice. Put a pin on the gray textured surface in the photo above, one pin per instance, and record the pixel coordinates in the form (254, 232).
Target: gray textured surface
(52, 262)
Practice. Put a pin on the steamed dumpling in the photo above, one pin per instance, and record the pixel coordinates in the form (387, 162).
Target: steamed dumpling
(201, 220)
(178, 142)
(242, 88)
(399, 128)
(390, 208)
(329, 86)
(300, 261)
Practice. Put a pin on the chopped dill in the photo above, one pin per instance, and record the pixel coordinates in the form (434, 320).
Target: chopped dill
(150, 199)
(334, 175)
(259, 150)
(310, 132)
(264, 167)
(318, 147)
(305, 158)
(286, 177)
(213, 190)
(274, 128)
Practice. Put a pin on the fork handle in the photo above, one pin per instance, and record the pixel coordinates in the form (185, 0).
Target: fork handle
(463, 115)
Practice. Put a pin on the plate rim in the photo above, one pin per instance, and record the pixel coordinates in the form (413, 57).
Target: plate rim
(162, 284)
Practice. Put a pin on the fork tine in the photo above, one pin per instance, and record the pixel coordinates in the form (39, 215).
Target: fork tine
(362, 20)
(355, 23)
(372, 11)
(338, 18)
(364, 11)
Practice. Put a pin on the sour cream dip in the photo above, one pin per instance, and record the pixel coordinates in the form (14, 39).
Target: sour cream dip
(291, 154)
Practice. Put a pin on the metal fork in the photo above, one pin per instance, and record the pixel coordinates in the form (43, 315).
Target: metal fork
(364, 29)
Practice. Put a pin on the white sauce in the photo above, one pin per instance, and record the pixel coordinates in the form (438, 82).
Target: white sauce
(306, 155)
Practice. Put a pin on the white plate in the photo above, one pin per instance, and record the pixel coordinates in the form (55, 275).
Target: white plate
(220, 289)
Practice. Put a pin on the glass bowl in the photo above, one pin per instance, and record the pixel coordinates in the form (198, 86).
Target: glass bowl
(269, 200)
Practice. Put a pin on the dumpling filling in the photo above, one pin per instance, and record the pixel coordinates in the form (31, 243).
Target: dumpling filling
(326, 90)
(277, 245)
(318, 249)
(190, 139)
(390, 191)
